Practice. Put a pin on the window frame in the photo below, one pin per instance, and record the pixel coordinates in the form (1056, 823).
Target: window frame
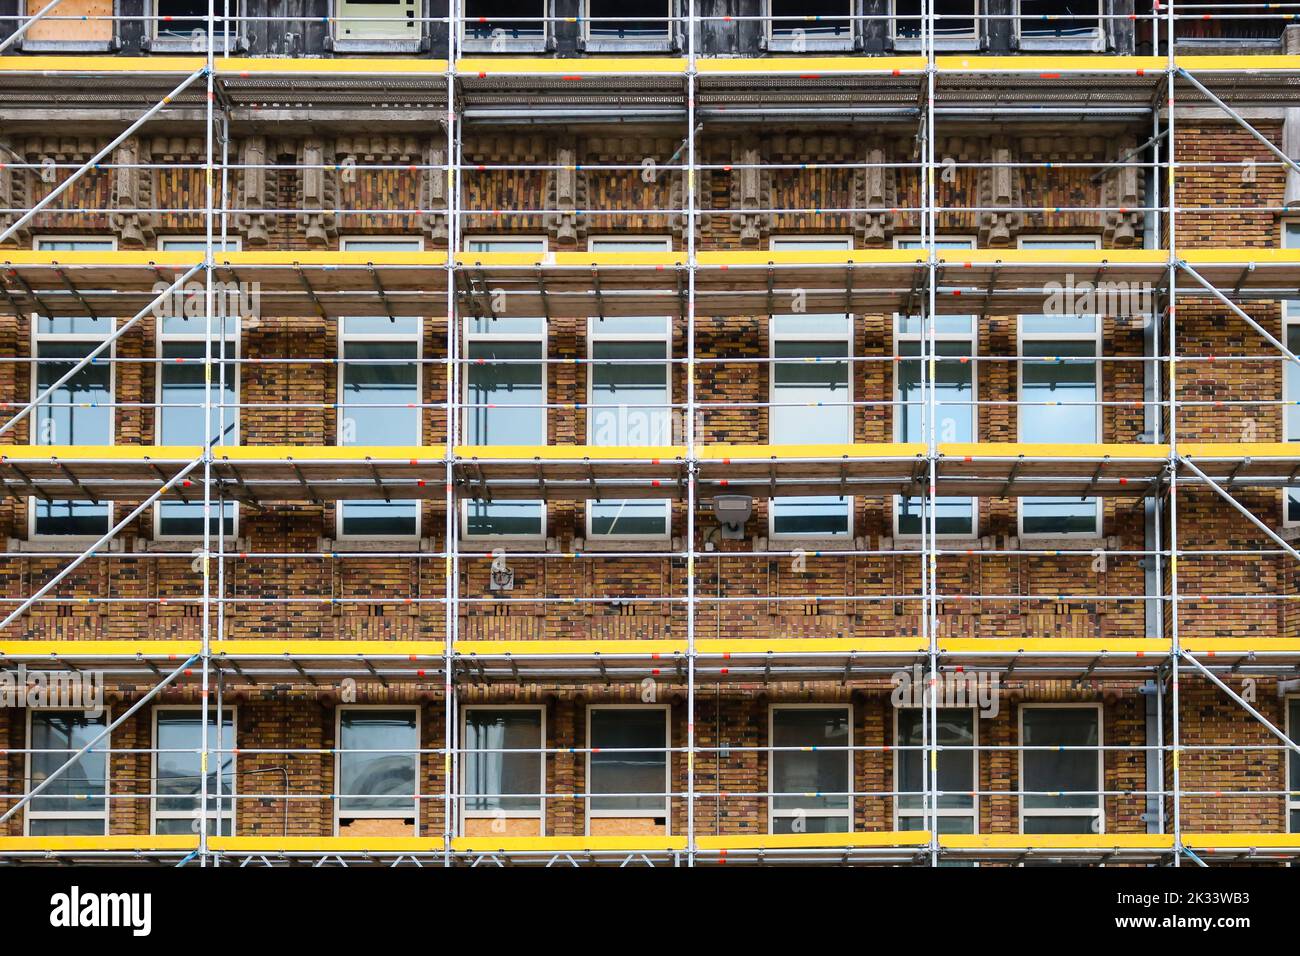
(467, 814)
(341, 340)
(850, 360)
(161, 339)
(974, 339)
(1100, 812)
(29, 811)
(965, 41)
(537, 44)
(773, 814)
(1094, 41)
(1291, 802)
(630, 814)
(776, 42)
(339, 751)
(974, 812)
(29, 8)
(175, 44)
(468, 336)
(154, 813)
(35, 337)
(1290, 317)
(1098, 338)
(594, 335)
(392, 44)
(668, 41)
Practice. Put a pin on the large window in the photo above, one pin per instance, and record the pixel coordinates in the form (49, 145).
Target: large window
(75, 802)
(812, 401)
(956, 414)
(501, 26)
(956, 771)
(1062, 785)
(1072, 24)
(378, 20)
(627, 768)
(181, 392)
(803, 25)
(629, 23)
(1293, 764)
(810, 769)
(178, 773)
(186, 21)
(503, 768)
(1060, 386)
(379, 397)
(78, 412)
(1291, 375)
(378, 769)
(629, 399)
(505, 398)
(954, 23)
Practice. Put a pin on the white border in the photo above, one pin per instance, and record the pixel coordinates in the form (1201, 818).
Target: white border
(29, 811)
(630, 814)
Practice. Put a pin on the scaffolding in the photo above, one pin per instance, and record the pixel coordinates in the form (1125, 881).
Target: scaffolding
(931, 280)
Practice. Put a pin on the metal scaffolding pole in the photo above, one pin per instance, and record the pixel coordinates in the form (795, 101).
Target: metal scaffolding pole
(1172, 245)
(451, 565)
(691, 222)
(929, 509)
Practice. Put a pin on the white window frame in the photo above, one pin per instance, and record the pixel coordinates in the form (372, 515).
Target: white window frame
(785, 244)
(29, 811)
(339, 751)
(468, 336)
(161, 339)
(776, 41)
(540, 813)
(36, 337)
(396, 41)
(1290, 317)
(1029, 242)
(596, 334)
(597, 44)
(630, 814)
(1292, 801)
(973, 337)
(962, 41)
(228, 747)
(342, 338)
(773, 814)
(159, 42)
(1094, 41)
(535, 44)
(974, 812)
(1100, 811)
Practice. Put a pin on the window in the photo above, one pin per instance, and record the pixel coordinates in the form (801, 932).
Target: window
(812, 402)
(954, 21)
(1060, 385)
(1293, 763)
(1067, 780)
(94, 33)
(78, 412)
(500, 26)
(186, 23)
(75, 803)
(956, 414)
(627, 767)
(180, 393)
(378, 20)
(629, 400)
(957, 771)
(498, 779)
(802, 25)
(505, 399)
(178, 777)
(378, 769)
(1291, 376)
(810, 785)
(379, 395)
(628, 23)
(1073, 24)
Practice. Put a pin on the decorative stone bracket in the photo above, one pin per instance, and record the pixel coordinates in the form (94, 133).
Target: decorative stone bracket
(875, 188)
(133, 191)
(254, 190)
(999, 186)
(751, 192)
(566, 192)
(319, 191)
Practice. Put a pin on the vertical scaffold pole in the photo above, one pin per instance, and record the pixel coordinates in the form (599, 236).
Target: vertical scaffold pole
(691, 465)
(930, 563)
(450, 545)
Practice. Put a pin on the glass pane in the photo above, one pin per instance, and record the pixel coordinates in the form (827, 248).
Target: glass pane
(629, 517)
(506, 18)
(811, 17)
(1291, 374)
(516, 518)
(953, 516)
(1293, 731)
(1058, 377)
(813, 516)
(812, 779)
(1073, 774)
(186, 17)
(943, 325)
(953, 387)
(185, 519)
(956, 768)
(82, 787)
(491, 778)
(77, 412)
(624, 14)
(76, 245)
(812, 402)
(80, 518)
(629, 773)
(1059, 515)
(398, 327)
(66, 826)
(1293, 504)
(513, 387)
(800, 823)
(953, 18)
(179, 774)
(380, 519)
(629, 396)
(380, 394)
(183, 826)
(183, 393)
(370, 782)
(82, 325)
(1058, 18)
(1079, 824)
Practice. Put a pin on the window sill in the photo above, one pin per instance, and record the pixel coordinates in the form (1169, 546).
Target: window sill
(942, 43)
(1082, 44)
(378, 45)
(804, 543)
(506, 45)
(47, 544)
(809, 44)
(66, 46)
(376, 545)
(615, 45)
(602, 545)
